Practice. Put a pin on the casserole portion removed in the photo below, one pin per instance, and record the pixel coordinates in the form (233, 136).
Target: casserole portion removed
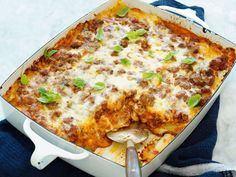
(123, 68)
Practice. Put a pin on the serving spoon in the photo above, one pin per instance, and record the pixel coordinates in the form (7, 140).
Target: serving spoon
(131, 136)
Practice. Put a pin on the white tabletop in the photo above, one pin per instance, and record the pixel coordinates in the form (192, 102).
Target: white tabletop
(26, 25)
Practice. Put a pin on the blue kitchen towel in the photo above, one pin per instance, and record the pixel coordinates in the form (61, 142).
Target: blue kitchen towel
(192, 158)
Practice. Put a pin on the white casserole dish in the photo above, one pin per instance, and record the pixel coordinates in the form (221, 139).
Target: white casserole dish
(48, 146)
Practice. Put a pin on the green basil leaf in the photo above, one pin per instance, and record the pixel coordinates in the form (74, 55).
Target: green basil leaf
(89, 60)
(100, 34)
(80, 83)
(151, 54)
(45, 100)
(140, 32)
(170, 55)
(42, 90)
(117, 48)
(148, 75)
(135, 34)
(24, 79)
(123, 11)
(125, 62)
(48, 96)
(48, 54)
(51, 53)
(189, 60)
(99, 86)
(45, 53)
(159, 77)
(194, 100)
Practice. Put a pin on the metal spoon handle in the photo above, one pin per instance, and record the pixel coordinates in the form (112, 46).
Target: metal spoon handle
(132, 162)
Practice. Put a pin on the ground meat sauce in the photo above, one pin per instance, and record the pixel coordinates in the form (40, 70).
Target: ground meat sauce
(173, 69)
(143, 83)
(219, 63)
(202, 78)
(147, 99)
(114, 53)
(76, 44)
(182, 82)
(93, 25)
(206, 90)
(186, 67)
(137, 24)
(124, 42)
(144, 45)
(182, 95)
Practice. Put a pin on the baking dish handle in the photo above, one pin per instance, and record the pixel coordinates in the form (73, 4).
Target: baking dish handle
(190, 14)
(46, 152)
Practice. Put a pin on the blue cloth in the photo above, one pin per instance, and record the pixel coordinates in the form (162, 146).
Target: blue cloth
(196, 151)
(199, 10)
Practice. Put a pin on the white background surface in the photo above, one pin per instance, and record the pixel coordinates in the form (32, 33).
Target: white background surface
(26, 25)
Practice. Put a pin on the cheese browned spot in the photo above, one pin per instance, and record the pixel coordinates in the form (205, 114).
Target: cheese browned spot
(140, 84)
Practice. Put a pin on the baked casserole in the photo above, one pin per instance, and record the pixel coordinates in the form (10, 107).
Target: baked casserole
(123, 68)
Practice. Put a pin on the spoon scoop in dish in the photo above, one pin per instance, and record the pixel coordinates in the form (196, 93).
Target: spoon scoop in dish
(131, 136)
